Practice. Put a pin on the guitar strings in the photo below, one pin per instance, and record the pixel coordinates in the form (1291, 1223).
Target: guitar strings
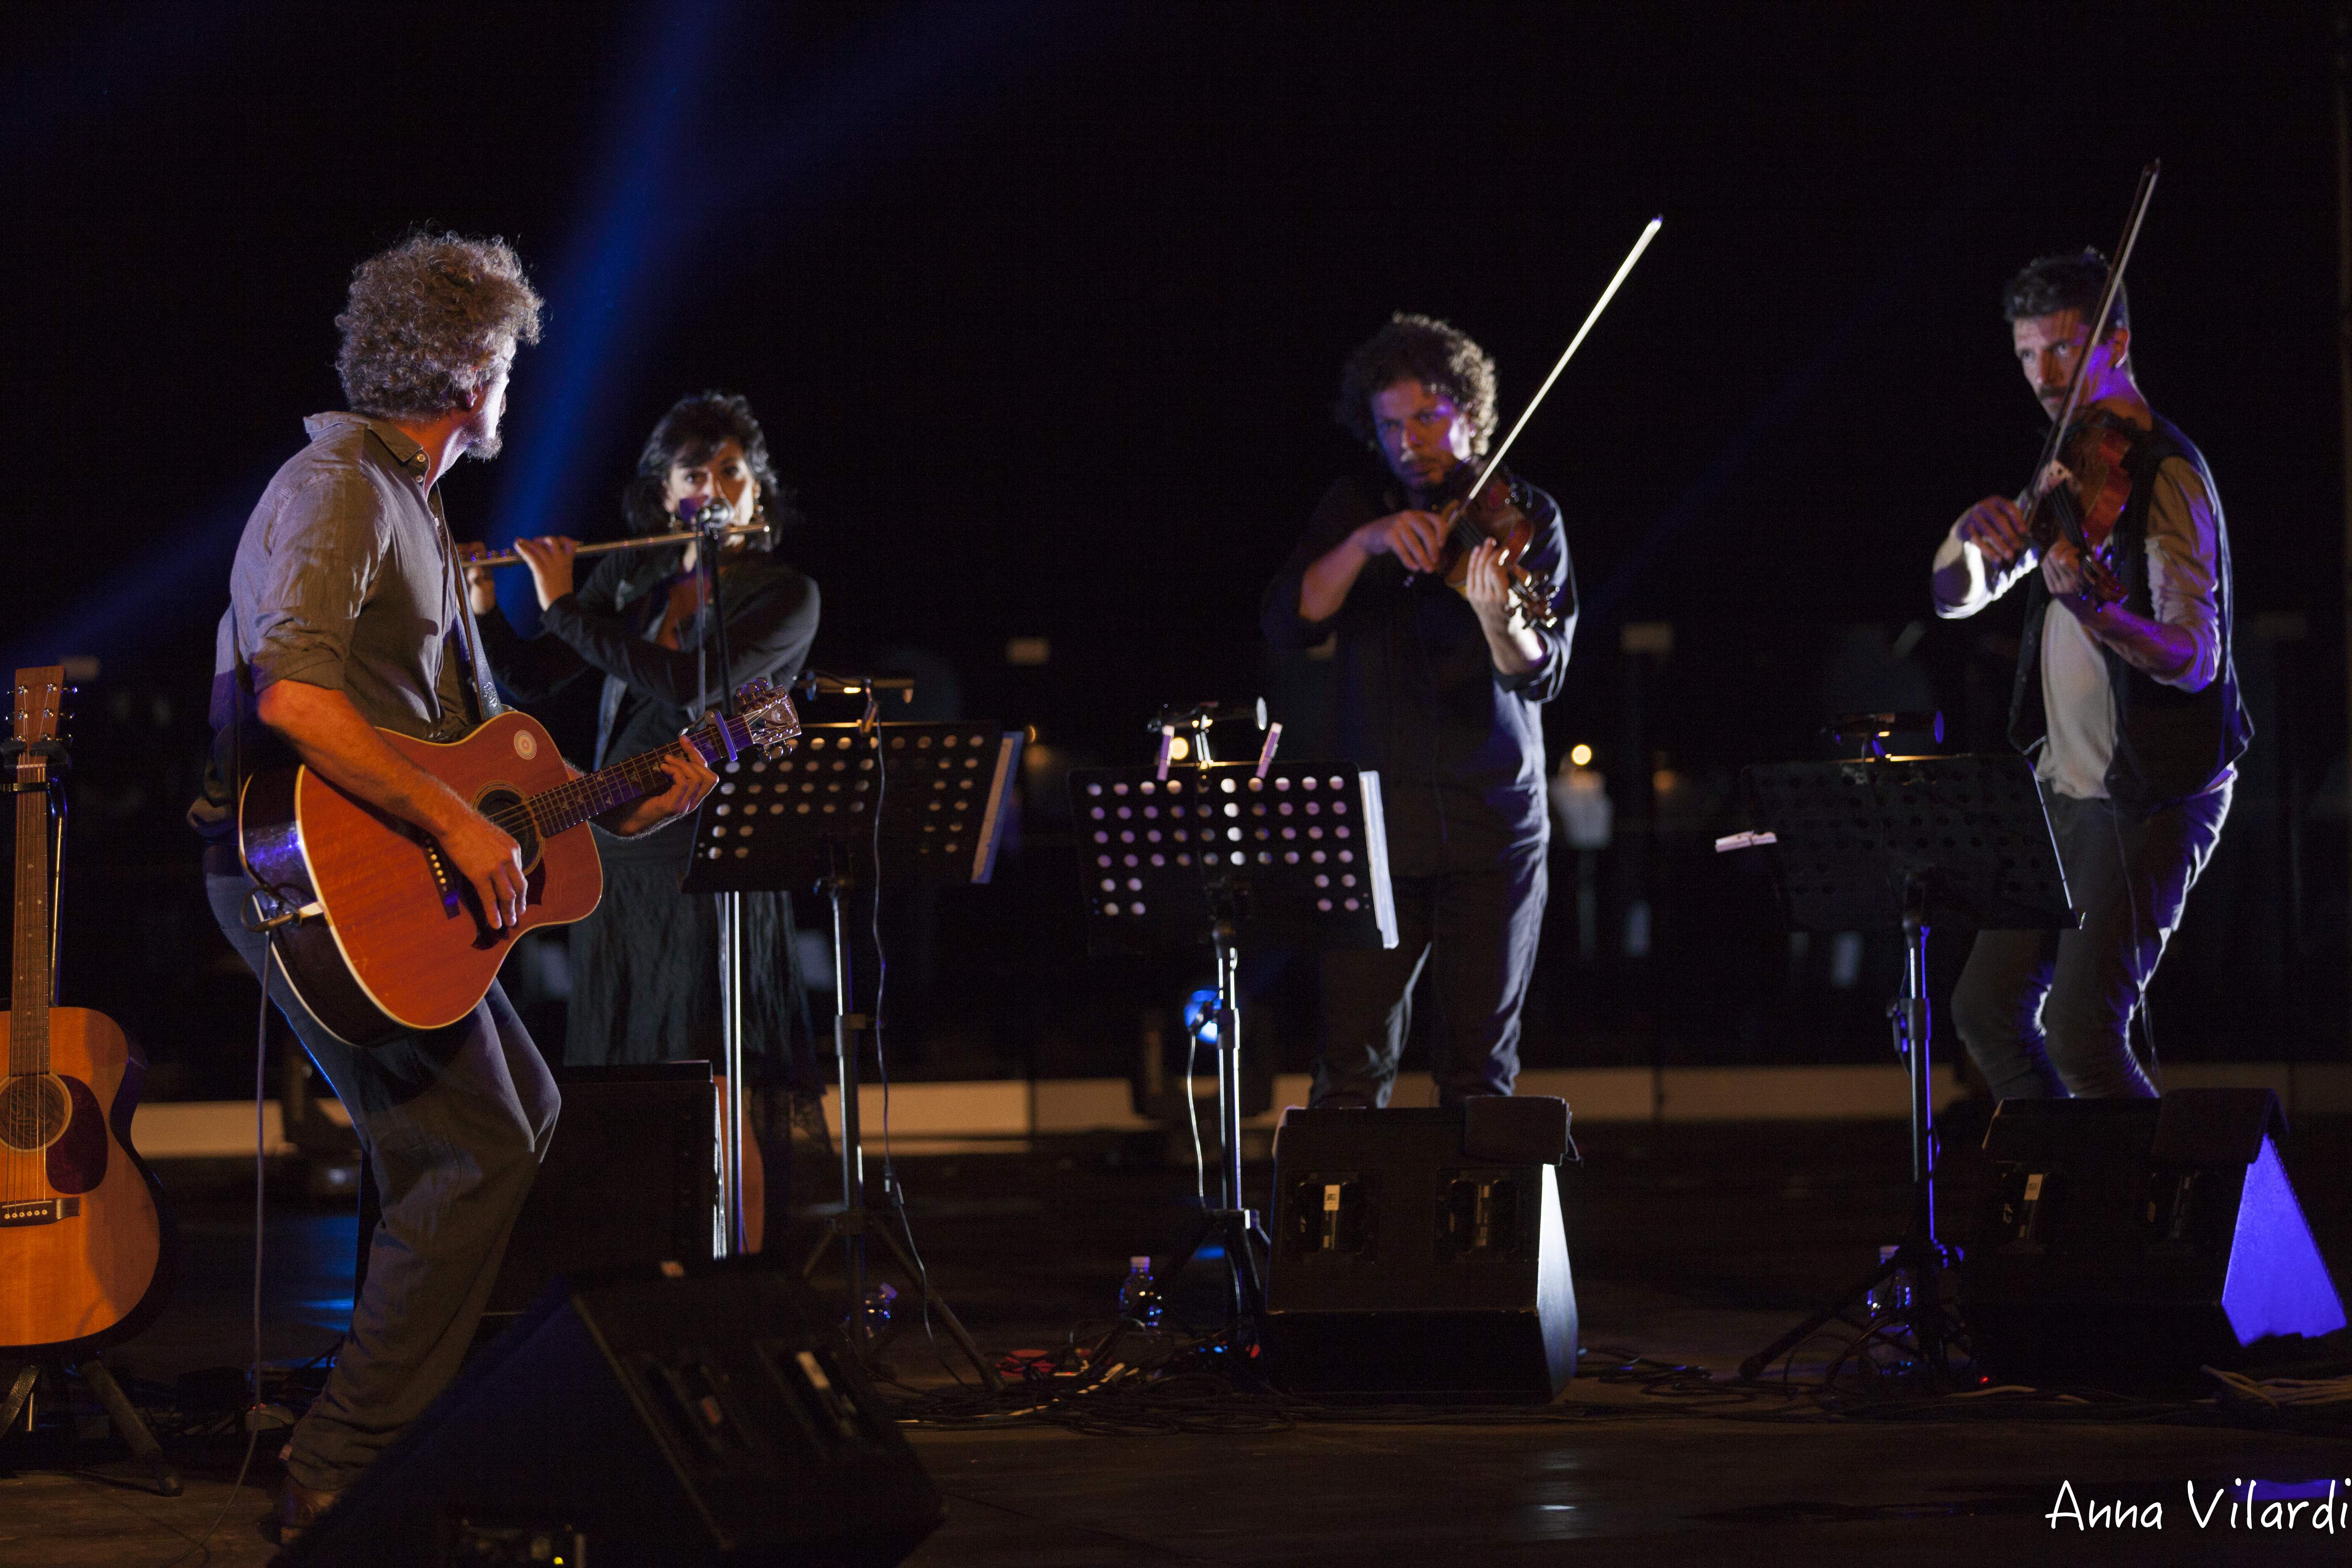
(644, 772)
(539, 815)
(27, 1170)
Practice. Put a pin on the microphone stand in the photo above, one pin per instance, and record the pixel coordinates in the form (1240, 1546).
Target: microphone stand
(711, 524)
(856, 1222)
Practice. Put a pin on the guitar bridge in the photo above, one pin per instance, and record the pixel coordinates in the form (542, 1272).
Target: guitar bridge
(17, 1212)
(443, 882)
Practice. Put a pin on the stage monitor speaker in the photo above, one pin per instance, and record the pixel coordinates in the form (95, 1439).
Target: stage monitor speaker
(2124, 1243)
(1422, 1253)
(669, 1417)
(630, 1177)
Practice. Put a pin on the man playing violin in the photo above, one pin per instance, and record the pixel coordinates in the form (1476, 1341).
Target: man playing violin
(2129, 704)
(1439, 688)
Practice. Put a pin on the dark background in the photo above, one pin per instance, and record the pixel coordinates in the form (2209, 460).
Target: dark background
(1043, 306)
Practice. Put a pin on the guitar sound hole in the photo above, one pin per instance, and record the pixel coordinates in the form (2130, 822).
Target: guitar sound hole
(504, 806)
(33, 1113)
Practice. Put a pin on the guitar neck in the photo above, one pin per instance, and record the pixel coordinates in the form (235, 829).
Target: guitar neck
(28, 1012)
(568, 806)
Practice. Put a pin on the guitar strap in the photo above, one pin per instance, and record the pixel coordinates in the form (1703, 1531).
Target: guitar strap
(478, 669)
(469, 643)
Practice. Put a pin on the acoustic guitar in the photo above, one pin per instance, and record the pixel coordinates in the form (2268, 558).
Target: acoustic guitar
(377, 933)
(82, 1255)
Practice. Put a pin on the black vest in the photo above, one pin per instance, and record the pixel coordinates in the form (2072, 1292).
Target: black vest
(2169, 744)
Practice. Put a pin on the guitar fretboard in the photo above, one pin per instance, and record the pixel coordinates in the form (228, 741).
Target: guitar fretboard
(569, 805)
(28, 1012)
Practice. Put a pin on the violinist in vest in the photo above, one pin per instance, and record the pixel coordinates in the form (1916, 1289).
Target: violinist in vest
(2125, 697)
(1452, 624)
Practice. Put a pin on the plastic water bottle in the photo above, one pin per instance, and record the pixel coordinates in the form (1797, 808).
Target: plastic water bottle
(880, 1301)
(1891, 1295)
(1139, 1298)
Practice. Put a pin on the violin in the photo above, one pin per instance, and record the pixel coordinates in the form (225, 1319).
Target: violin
(1496, 510)
(2081, 497)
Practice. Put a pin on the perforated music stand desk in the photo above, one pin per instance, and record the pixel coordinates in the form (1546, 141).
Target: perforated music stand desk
(1907, 843)
(1215, 856)
(922, 805)
(1855, 840)
(808, 818)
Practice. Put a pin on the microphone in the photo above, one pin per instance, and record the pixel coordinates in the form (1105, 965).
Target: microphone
(1186, 717)
(697, 512)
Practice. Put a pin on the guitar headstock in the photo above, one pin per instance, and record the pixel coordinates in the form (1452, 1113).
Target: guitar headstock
(40, 704)
(770, 720)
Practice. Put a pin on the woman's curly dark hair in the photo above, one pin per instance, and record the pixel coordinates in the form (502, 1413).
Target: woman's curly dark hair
(1423, 349)
(696, 427)
(425, 322)
(2071, 280)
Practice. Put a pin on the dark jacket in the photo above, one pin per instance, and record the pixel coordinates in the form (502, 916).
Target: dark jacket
(2169, 744)
(1459, 747)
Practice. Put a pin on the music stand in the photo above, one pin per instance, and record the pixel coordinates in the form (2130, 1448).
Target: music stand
(1909, 842)
(1288, 854)
(919, 803)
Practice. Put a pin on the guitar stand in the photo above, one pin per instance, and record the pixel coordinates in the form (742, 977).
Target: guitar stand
(128, 1425)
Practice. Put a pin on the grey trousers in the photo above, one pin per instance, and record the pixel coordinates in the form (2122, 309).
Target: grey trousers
(2048, 1014)
(1475, 931)
(454, 1121)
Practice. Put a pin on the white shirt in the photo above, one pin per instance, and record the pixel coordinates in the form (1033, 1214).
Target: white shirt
(2077, 698)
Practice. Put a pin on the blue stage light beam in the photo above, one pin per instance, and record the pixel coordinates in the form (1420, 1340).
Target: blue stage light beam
(639, 203)
(651, 201)
(659, 199)
(154, 597)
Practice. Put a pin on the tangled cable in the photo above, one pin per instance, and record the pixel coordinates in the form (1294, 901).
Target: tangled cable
(1136, 1382)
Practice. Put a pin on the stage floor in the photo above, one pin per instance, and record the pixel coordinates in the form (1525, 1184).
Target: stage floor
(1690, 1244)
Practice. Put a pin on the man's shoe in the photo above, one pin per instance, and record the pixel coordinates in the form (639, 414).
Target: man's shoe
(299, 1508)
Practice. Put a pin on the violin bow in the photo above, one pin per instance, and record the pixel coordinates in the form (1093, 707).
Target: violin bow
(1567, 354)
(2132, 220)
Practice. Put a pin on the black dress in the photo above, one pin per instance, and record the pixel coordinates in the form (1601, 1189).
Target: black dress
(645, 966)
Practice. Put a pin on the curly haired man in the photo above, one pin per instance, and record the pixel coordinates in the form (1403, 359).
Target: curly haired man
(346, 615)
(1441, 693)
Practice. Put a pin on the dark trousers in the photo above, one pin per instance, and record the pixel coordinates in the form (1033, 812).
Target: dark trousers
(2048, 1014)
(1475, 931)
(454, 1121)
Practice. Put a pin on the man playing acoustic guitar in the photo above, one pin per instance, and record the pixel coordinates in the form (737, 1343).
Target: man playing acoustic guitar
(345, 614)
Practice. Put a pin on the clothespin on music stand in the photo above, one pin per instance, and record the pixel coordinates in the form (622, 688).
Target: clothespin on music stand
(1266, 752)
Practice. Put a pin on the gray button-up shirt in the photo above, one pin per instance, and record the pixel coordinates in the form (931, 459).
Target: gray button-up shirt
(344, 579)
